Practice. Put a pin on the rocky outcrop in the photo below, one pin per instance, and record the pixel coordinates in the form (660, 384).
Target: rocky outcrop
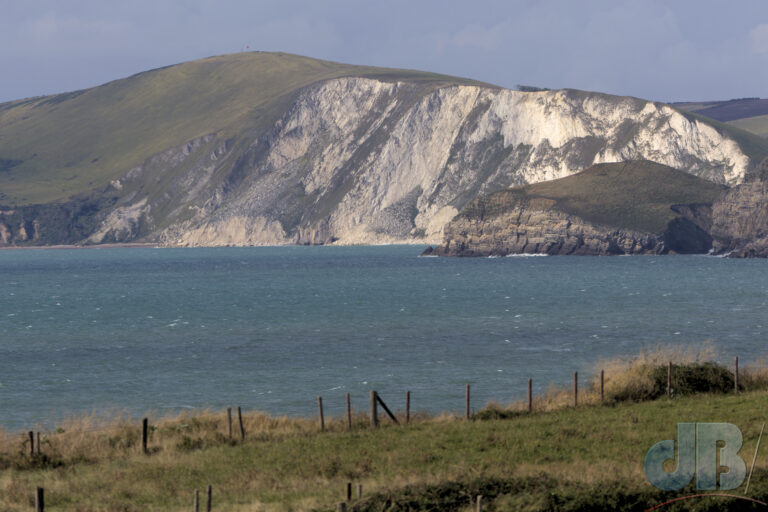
(534, 227)
(735, 224)
(55, 224)
(537, 227)
(740, 218)
(609, 209)
(357, 160)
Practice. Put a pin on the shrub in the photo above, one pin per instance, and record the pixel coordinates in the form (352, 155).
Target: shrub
(693, 378)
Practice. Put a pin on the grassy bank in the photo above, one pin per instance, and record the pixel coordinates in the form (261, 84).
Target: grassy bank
(556, 458)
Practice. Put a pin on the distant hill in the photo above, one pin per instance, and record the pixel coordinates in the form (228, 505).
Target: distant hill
(270, 148)
(749, 114)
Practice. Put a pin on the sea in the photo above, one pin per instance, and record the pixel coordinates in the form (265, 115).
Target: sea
(161, 330)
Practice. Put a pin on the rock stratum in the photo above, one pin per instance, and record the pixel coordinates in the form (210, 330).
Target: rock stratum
(637, 207)
(268, 149)
(740, 217)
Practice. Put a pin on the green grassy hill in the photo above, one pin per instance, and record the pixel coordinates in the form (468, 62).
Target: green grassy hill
(633, 195)
(757, 125)
(749, 114)
(56, 146)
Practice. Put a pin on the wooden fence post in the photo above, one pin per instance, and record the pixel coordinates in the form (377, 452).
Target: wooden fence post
(197, 500)
(407, 407)
(31, 444)
(38, 444)
(374, 413)
(479, 503)
(466, 403)
(144, 434)
(575, 389)
(39, 499)
(240, 419)
(359, 491)
(349, 491)
(669, 379)
(736, 374)
(386, 409)
(209, 500)
(229, 421)
(320, 412)
(349, 412)
(530, 395)
(602, 385)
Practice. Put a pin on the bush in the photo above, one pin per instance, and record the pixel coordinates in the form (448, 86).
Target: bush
(650, 382)
(688, 379)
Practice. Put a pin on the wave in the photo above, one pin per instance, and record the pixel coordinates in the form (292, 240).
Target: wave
(526, 255)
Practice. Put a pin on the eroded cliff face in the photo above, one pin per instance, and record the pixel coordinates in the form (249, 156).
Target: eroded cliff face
(365, 161)
(740, 218)
(537, 226)
(534, 227)
(733, 222)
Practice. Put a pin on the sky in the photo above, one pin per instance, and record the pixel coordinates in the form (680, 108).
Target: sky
(674, 50)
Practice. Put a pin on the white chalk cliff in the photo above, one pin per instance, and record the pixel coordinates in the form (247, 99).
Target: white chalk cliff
(362, 161)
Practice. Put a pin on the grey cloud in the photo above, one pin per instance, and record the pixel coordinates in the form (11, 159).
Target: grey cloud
(687, 49)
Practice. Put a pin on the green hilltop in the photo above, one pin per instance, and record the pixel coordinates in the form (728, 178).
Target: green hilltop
(57, 146)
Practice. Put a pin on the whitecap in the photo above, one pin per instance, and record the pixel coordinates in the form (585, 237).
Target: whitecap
(526, 255)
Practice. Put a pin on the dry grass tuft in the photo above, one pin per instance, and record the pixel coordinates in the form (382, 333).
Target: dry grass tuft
(631, 378)
(754, 376)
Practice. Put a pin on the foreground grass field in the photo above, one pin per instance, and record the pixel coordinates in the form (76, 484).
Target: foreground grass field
(560, 458)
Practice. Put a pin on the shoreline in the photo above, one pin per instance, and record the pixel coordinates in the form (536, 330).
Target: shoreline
(149, 245)
(97, 246)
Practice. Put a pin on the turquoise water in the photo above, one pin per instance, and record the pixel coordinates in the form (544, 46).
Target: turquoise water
(272, 328)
